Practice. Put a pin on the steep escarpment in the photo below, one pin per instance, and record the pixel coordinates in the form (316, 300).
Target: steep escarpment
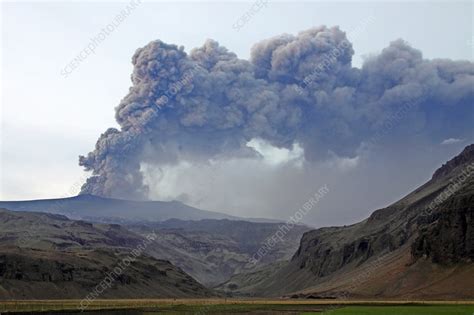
(327, 250)
(446, 235)
(434, 223)
(463, 159)
(428, 235)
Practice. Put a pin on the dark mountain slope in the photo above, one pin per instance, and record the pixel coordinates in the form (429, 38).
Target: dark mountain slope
(47, 274)
(428, 235)
(214, 250)
(45, 256)
(210, 251)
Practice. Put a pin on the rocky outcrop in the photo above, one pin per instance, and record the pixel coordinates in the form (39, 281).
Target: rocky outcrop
(429, 235)
(446, 236)
(464, 158)
(443, 231)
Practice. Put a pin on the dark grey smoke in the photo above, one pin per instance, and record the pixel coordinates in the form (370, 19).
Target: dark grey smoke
(295, 89)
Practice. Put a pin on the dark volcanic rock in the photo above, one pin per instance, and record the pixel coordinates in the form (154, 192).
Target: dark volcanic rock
(422, 245)
(447, 235)
(465, 157)
(444, 232)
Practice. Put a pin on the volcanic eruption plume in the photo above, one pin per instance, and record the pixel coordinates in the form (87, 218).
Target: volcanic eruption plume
(298, 89)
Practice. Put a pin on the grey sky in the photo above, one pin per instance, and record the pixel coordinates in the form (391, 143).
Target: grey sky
(46, 121)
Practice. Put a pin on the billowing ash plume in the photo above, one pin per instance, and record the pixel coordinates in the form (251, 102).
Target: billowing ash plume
(295, 89)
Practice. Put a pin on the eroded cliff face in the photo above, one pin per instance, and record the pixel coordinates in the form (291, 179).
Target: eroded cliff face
(463, 159)
(435, 222)
(419, 247)
(446, 236)
(326, 252)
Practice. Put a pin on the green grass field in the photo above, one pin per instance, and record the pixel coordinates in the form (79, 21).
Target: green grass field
(321, 309)
(402, 310)
(236, 306)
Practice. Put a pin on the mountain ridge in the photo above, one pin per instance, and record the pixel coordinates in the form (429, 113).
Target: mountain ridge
(421, 229)
(90, 207)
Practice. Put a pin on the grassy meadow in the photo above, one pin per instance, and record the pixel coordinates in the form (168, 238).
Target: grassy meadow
(238, 306)
(402, 310)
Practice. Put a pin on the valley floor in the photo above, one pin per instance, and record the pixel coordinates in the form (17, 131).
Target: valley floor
(239, 306)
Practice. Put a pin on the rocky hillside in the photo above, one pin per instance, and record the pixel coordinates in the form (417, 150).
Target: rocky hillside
(47, 274)
(212, 251)
(447, 237)
(57, 232)
(44, 256)
(421, 246)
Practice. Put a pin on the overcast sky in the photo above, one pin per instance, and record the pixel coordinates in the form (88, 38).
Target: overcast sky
(46, 118)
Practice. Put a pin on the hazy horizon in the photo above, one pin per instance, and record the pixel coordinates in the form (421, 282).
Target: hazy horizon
(49, 119)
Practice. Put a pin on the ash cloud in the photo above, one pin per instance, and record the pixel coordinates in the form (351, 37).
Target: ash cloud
(295, 90)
